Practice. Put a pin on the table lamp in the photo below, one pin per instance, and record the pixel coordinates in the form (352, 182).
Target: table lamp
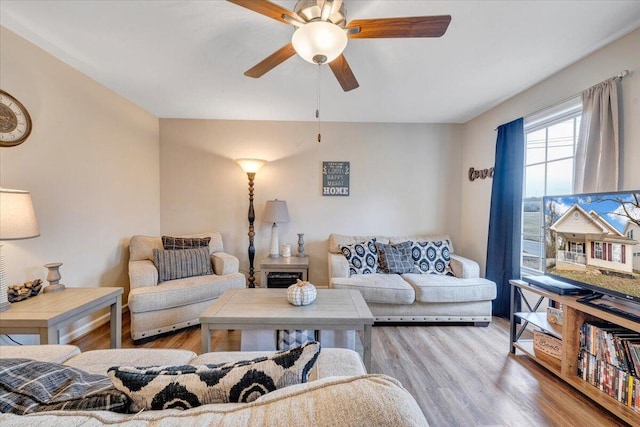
(275, 211)
(17, 221)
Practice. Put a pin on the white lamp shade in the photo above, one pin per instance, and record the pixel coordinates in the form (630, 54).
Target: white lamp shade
(250, 165)
(319, 38)
(275, 211)
(17, 217)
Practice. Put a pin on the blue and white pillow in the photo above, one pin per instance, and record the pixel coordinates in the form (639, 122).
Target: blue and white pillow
(362, 257)
(432, 257)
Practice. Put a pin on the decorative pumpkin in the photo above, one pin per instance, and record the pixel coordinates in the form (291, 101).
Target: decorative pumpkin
(301, 293)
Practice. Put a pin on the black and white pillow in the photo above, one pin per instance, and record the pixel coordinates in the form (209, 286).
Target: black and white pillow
(362, 257)
(432, 257)
(28, 386)
(395, 259)
(172, 243)
(181, 263)
(188, 386)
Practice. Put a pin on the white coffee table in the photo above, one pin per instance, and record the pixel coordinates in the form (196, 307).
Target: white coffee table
(47, 313)
(252, 309)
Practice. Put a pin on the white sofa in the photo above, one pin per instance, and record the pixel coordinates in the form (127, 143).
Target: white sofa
(174, 304)
(464, 297)
(339, 393)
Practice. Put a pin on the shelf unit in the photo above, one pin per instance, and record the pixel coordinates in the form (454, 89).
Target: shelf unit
(574, 315)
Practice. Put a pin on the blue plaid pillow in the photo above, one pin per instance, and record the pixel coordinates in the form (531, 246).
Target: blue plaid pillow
(362, 257)
(396, 259)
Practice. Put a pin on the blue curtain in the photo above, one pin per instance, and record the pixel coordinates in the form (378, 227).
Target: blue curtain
(505, 219)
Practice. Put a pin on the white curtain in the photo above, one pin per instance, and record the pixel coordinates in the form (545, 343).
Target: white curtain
(597, 150)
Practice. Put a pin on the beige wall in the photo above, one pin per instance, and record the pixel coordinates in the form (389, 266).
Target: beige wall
(405, 179)
(479, 136)
(91, 165)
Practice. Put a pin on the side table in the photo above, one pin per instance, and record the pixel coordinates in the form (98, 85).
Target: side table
(288, 268)
(46, 314)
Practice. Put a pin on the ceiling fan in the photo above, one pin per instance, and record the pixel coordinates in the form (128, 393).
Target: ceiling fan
(322, 32)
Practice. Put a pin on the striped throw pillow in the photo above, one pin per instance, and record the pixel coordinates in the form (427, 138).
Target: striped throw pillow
(181, 263)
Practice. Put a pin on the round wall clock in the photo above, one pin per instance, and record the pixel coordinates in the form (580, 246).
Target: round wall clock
(15, 122)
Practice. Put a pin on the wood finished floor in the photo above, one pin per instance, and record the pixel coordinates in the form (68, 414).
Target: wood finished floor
(459, 375)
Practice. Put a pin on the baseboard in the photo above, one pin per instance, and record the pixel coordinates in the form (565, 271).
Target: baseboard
(85, 329)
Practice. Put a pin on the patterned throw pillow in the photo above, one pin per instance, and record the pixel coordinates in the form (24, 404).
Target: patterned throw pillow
(432, 257)
(170, 243)
(180, 263)
(362, 257)
(188, 386)
(395, 259)
(28, 386)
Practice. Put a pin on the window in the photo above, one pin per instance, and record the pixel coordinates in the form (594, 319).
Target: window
(597, 254)
(630, 234)
(550, 138)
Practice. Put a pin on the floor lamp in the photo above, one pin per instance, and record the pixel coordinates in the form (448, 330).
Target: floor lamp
(17, 221)
(251, 166)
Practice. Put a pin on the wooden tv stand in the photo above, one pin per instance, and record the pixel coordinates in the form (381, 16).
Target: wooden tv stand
(574, 315)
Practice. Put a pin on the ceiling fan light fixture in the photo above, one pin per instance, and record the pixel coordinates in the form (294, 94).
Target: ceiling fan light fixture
(319, 39)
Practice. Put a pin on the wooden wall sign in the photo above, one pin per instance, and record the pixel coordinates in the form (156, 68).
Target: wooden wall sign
(335, 178)
(480, 174)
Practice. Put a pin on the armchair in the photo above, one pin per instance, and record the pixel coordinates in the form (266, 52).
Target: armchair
(155, 307)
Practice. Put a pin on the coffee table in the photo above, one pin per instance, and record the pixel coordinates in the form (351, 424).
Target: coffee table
(250, 309)
(47, 313)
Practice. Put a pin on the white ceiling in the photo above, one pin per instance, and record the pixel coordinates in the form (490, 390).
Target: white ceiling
(185, 59)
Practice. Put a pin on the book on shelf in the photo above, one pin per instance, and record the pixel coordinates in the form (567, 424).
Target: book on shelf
(609, 359)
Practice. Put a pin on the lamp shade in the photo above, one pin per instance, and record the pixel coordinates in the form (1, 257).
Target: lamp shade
(275, 211)
(250, 165)
(319, 42)
(17, 217)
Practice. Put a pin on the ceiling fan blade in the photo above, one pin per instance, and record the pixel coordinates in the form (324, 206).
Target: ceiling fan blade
(271, 61)
(416, 26)
(343, 73)
(266, 8)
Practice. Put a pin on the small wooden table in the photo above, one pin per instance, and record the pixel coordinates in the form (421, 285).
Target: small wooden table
(47, 313)
(337, 309)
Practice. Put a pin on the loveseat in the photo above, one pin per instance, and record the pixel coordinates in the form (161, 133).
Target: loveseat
(339, 393)
(456, 294)
(158, 307)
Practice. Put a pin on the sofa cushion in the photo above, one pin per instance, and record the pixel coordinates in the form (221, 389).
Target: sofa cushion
(181, 263)
(56, 353)
(176, 293)
(441, 288)
(172, 243)
(99, 361)
(362, 257)
(188, 386)
(337, 241)
(28, 386)
(432, 257)
(381, 288)
(141, 247)
(395, 259)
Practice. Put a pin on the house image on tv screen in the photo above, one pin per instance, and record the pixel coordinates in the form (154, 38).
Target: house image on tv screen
(585, 241)
(632, 231)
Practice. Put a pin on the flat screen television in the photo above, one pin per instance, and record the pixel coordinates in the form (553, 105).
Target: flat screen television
(593, 241)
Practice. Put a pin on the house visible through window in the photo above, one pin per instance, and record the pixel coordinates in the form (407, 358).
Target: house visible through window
(550, 138)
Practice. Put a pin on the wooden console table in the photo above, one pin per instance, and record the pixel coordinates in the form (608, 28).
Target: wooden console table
(574, 315)
(47, 313)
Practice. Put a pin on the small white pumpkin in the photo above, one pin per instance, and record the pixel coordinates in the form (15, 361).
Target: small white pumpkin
(301, 293)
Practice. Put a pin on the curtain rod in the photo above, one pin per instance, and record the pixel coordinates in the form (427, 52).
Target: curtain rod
(621, 75)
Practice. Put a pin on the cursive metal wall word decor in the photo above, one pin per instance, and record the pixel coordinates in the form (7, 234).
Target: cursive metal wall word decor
(480, 174)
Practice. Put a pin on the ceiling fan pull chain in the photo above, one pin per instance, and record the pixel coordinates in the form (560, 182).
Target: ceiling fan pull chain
(318, 105)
